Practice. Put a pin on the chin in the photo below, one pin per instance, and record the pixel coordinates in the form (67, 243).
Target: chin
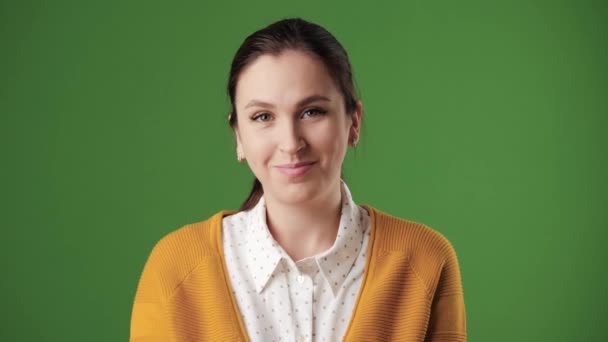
(297, 193)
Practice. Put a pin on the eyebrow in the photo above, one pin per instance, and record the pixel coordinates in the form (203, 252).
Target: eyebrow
(303, 102)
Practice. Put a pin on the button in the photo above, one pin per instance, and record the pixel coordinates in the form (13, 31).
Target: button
(301, 339)
(300, 280)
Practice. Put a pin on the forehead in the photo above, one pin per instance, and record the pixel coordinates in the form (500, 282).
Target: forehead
(284, 79)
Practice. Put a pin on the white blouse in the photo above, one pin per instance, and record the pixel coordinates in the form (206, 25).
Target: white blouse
(282, 300)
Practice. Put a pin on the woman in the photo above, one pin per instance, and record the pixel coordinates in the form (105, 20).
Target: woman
(300, 260)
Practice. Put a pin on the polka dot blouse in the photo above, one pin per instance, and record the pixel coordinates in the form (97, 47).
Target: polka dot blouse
(307, 300)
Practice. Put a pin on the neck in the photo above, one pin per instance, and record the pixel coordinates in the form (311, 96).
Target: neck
(305, 230)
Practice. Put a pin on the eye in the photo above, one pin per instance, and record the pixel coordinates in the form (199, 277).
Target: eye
(314, 112)
(262, 117)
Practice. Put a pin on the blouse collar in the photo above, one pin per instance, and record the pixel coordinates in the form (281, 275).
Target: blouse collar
(334, 264)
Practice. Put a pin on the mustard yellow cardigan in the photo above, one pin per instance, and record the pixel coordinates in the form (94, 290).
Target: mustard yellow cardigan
(411, 290)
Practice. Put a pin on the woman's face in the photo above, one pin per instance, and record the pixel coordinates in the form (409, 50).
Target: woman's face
(292, 127)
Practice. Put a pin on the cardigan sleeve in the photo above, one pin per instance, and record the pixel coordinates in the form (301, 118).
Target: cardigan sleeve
(148, 320)
(448, 320)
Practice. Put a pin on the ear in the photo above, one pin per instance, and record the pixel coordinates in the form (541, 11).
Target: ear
(355, 127)
(239, 144)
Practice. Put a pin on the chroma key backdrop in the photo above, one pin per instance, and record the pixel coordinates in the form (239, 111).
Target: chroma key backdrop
(485, 120)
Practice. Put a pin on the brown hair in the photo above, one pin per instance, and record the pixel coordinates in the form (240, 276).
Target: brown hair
(296, 34)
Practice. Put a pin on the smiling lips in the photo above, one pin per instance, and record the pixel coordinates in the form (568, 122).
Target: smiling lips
(295, 169)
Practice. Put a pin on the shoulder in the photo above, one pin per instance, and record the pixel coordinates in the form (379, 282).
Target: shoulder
(395, 233)
(428, 252)
(420, 243)
(179, 252)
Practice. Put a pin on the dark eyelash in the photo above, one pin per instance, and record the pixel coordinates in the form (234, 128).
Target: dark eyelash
(255, 117)
(319, 111)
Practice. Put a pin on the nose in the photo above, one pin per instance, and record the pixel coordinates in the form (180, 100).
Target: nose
(291, 140)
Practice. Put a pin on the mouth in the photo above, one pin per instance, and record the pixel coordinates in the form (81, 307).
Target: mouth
(295, 169)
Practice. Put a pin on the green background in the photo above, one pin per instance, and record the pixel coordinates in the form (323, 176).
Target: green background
(485, 120)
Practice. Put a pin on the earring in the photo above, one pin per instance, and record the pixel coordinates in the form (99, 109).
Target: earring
(239, 156)
(355, 141)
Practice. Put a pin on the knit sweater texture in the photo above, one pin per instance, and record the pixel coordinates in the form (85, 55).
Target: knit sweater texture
(411, 290)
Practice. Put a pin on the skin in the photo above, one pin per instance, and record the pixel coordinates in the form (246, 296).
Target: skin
(302, 212)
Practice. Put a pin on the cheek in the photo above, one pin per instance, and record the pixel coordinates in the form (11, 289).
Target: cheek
(331, 140)
(258, 150)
